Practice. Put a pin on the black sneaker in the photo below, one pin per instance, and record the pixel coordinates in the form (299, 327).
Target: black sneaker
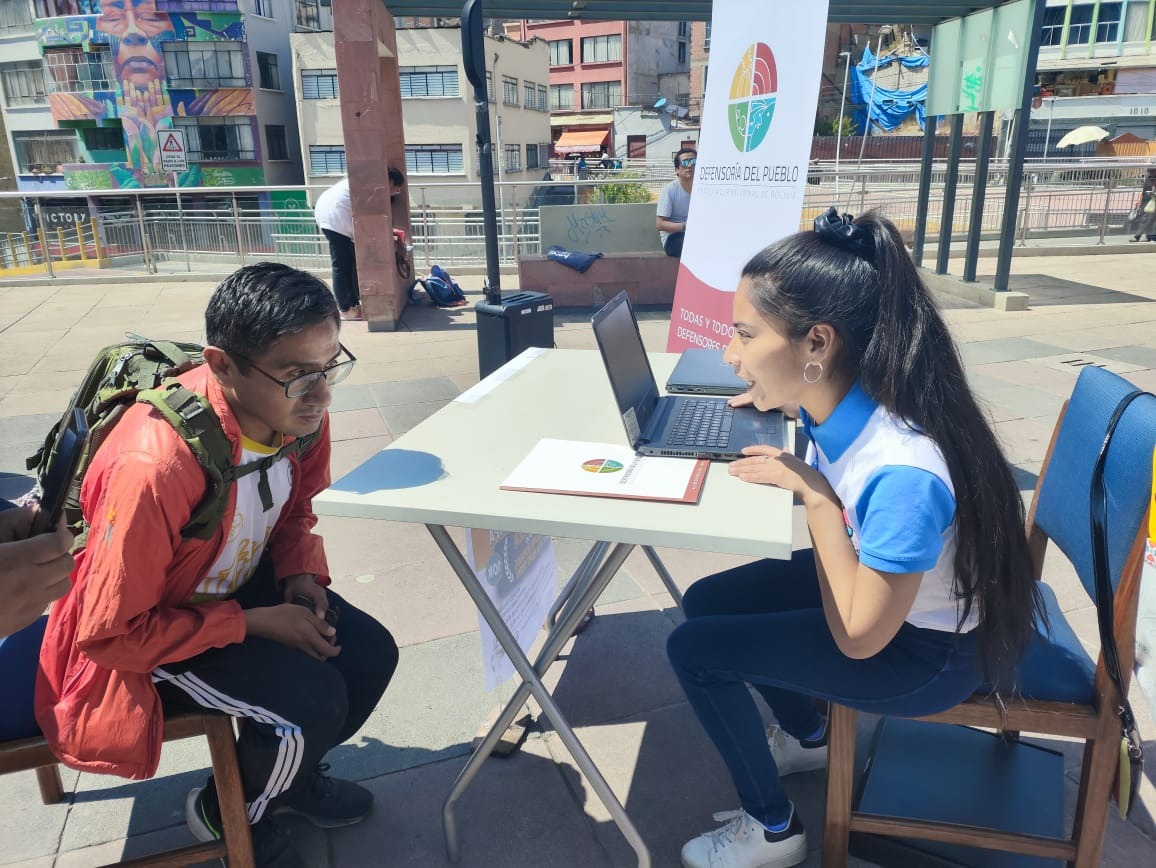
(272, 843)
(327, 803)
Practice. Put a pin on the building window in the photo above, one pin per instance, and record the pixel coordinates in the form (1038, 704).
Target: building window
(561, 52)
(276, 146)
(682, 52)
(513, 158)
(72, 70)
(264, 8)
(221, 138)
(204, 64)
(601, 94)
(309, 14)
(103, 138)
(544, 154)
(1108, 23)
(706, 41)
(543, 98)
(319, 84)
(531, 98)
(561, 96)
(1052, 32)
(326, 159)
(44, 150)
(602, 49)
(23, 83)
(429, 81)
(509, 90)
(15, 17)
(269, 75)
(490, 87)
(684, 30)
(533, 155)
(434, 160)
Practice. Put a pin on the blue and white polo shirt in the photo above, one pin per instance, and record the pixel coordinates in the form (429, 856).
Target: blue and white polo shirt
(898, 500)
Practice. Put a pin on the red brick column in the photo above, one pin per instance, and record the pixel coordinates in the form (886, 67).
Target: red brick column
(367, 74)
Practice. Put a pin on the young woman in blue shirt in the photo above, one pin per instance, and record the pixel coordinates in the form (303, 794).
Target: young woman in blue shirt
(918, 585)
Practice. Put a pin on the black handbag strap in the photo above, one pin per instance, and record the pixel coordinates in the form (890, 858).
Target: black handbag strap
(1104, 595)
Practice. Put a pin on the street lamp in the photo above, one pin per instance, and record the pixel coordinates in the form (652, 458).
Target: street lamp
(839, 131)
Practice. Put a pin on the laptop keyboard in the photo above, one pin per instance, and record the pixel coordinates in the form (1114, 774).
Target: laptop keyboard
(701, 423)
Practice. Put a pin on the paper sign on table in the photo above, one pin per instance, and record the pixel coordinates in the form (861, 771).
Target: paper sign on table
(606, 470)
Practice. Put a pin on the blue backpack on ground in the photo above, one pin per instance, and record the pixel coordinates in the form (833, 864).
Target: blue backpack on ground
(442, 289)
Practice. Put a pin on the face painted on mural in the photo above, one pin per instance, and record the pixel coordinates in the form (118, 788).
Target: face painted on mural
(135, 28)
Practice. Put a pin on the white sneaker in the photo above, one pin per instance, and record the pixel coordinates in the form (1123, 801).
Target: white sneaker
(790, 756)
(743, 842)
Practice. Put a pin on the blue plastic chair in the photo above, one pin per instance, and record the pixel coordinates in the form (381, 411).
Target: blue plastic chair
(1062, 693)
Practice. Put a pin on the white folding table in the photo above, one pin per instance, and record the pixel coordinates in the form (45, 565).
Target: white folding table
(479, 438)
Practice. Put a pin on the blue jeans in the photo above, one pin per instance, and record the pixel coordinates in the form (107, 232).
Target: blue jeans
(762, 624)
(343, 260)
(19, 660)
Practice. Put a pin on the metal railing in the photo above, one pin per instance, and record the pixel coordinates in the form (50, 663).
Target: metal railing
(167, 231)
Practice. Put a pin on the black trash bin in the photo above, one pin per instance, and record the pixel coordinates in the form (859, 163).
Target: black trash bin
(519, 321)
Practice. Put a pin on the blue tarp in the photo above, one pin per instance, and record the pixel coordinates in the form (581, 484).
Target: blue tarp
(890, 107)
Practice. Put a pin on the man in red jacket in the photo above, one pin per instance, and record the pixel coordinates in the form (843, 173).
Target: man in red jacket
(155, 622)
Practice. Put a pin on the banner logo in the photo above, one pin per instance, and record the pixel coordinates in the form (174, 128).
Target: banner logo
(601, 465)
(752, 97)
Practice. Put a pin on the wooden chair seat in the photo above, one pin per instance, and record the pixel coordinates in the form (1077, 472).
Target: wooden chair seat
(236, 846)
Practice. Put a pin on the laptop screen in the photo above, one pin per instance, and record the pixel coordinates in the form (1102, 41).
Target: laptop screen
(627, 366)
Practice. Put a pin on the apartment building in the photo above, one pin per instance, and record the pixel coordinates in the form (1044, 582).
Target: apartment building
(597, 66)
(441, 161)
(1097, 66)
(88, 87)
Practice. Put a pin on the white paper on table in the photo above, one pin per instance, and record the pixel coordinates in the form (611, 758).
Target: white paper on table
(606, 470)
(517, 571)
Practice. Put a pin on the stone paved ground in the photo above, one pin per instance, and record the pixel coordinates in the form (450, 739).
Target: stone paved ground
(533, 810)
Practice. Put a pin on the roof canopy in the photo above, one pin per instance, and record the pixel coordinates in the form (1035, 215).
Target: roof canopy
(852, 11)
(581, 141)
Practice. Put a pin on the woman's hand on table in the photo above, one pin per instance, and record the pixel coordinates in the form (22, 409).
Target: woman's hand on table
(791, 411)
(768, 465)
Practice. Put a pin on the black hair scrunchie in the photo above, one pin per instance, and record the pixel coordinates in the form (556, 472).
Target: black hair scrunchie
(838, 229)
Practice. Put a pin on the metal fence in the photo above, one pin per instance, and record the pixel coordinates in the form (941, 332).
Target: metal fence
(168, 232)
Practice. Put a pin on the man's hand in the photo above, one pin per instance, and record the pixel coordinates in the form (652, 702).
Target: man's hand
(33, 570)
(306, 583)
(294, 626)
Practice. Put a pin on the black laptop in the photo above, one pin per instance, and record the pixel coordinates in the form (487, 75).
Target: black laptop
(703, 372)
(672, 426)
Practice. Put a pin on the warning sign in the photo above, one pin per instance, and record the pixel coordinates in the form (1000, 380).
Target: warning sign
(174, 157)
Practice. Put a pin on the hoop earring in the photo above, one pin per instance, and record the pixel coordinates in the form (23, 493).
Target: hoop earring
(807, 367)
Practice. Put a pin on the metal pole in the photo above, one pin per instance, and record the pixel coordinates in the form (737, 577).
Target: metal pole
(885, 30)
(501, 157)
(237, 229)
(425, 230)
(144, 238)
(978, 194)
(1027, 210)
(839, 130)
(473, 56)
(44, 254)
(1048, 134)
(925, 164)
(184, 231)
(1107, 205)
(950, 182)
(1016, 157)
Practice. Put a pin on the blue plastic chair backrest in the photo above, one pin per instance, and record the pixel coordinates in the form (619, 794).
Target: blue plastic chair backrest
(1063, 505)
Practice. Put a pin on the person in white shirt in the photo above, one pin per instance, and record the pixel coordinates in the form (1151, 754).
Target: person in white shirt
(674, 203)
(919, 584)
(334, 215)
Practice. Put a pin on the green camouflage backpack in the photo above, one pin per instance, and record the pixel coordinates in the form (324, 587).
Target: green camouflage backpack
(140, 370)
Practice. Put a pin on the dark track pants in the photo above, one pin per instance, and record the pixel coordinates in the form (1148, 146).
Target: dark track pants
(295, 708)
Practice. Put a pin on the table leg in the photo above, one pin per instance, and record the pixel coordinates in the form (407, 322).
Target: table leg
(664, 574)
(585, 570)
(532, 684)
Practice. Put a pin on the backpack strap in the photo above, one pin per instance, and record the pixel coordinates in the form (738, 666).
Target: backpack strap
(198, 426)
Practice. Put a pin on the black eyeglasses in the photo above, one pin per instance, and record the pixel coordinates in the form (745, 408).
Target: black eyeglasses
(686, 164)
(302, 385)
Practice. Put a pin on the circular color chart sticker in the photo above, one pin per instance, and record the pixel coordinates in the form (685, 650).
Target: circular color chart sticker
(601, 465)
(752, 97)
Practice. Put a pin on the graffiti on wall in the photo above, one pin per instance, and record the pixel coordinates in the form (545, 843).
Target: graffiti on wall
(135, 90)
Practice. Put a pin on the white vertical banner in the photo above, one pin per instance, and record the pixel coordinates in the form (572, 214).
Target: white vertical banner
(517, 571)
(757, 122)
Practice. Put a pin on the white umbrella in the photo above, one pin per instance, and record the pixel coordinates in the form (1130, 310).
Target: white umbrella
(1082, 136)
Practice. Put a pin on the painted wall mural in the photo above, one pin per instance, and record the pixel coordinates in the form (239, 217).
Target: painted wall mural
(137, 91)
